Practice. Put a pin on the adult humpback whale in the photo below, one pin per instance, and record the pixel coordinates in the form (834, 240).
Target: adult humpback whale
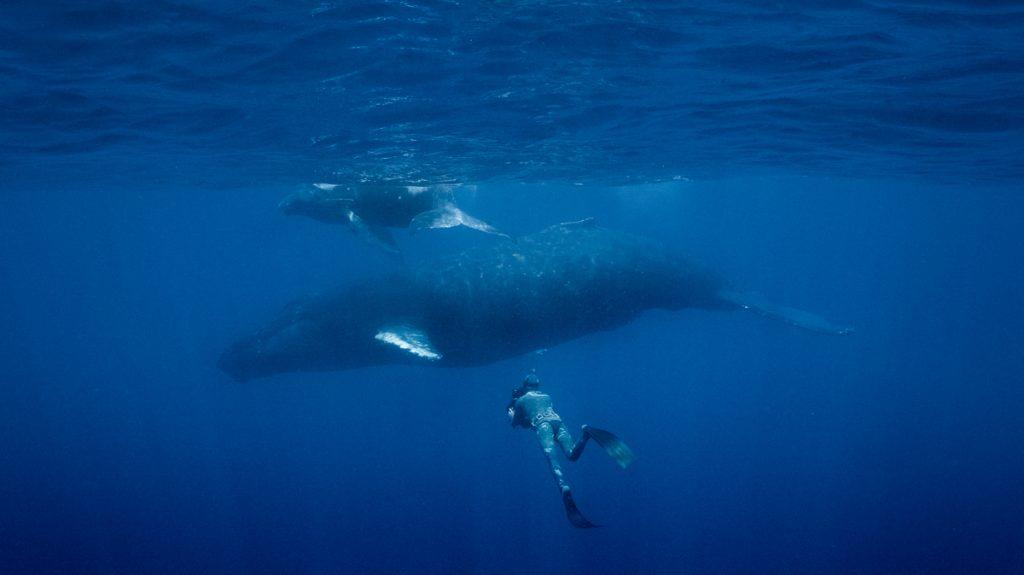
(488, 304)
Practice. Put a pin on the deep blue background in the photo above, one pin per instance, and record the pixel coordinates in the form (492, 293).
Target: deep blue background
(859, 160)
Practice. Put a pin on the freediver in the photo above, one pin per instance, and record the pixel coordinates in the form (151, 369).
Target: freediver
(532, 409)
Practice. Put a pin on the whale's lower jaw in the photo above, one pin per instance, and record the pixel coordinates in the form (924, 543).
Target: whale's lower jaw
(248, 359)
(231, 363)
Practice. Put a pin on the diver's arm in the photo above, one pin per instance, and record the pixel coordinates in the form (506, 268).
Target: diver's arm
(516, 394)
(513, 416)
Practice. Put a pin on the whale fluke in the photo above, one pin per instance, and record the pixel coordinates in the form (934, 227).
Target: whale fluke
(792, 316)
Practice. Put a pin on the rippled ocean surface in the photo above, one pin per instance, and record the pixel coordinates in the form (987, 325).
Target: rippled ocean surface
(860, 160)
(524, 90)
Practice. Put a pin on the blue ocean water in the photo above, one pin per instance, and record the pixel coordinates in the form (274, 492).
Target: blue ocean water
(859, 159)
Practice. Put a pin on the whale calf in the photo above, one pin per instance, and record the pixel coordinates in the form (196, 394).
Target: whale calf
(490, 303)
(369, 209)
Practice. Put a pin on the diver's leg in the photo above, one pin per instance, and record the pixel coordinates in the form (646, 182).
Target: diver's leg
(572, 452)
(546, 436)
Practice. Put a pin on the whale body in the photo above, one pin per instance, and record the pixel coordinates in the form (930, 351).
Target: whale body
(490, 303)
(369, 210)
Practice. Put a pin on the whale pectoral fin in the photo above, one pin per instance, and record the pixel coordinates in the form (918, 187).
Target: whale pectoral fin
(408, 339)
(792, 316)
(441, 218)
(375, 235)
(382, 238)
(450, 216)
(479, 225)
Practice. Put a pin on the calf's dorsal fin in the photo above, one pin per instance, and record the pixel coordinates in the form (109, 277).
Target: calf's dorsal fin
(584, 223)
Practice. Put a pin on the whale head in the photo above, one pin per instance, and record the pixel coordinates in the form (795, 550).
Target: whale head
(278, 348)
(319, 333)
(299, 203)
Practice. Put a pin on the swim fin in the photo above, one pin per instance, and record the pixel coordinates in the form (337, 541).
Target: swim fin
(613, 446)
(573, 513)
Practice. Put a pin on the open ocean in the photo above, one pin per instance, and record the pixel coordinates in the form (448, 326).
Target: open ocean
(860, 159)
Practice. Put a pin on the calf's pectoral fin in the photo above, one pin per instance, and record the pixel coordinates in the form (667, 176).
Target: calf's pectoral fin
(375, 235)
(450, 216)
(408, 339)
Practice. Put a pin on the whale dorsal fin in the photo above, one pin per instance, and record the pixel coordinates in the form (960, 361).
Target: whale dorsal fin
(584, 223)
(409, 339)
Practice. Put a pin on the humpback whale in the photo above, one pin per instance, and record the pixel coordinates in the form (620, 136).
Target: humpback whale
(491, 303)
(369, 210)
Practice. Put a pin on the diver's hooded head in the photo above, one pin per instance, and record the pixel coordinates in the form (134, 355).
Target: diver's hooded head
(531, 382)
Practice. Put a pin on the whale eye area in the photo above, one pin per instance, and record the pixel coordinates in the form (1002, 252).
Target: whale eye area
(295, 337)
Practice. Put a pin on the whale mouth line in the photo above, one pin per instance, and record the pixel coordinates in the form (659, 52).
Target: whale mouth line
(230, 363)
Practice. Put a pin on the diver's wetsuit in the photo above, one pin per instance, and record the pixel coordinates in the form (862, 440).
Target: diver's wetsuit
(533, 409)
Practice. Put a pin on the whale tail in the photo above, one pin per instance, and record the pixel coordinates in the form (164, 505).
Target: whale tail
(449, 216)
(792, 316)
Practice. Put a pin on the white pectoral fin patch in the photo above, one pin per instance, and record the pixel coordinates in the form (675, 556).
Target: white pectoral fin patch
(408, 339)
